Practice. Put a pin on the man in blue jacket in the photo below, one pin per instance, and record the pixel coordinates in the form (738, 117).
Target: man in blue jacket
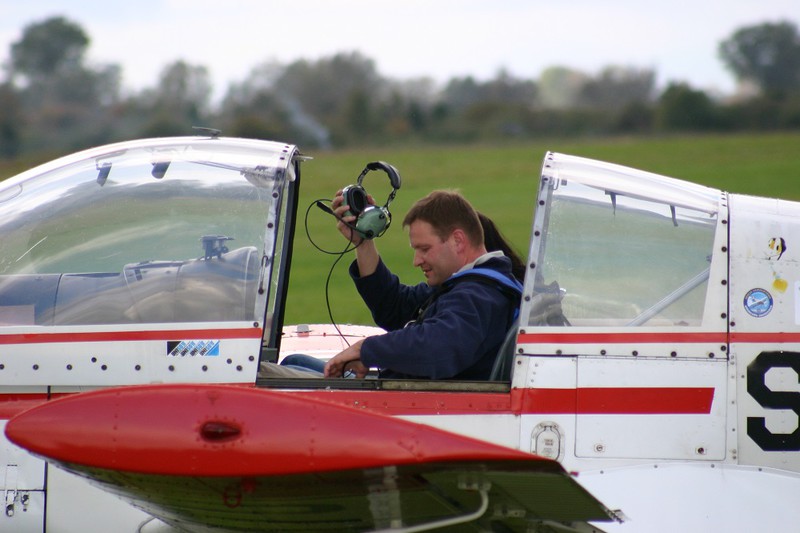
(449, 327)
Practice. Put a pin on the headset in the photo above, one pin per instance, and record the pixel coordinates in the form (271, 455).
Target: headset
(371, 220)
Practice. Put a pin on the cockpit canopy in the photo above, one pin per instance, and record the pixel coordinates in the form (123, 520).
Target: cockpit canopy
(170, 230)
(617, 247)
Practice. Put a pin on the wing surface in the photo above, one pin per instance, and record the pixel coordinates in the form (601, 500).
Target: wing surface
(225, 458)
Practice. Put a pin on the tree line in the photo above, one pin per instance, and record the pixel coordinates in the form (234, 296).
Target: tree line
(52, 100)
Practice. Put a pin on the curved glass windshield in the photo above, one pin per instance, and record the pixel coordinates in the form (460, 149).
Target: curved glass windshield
(140, 233)
(616, 252)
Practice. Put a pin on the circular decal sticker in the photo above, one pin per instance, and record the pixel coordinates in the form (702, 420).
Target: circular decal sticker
(758, 302)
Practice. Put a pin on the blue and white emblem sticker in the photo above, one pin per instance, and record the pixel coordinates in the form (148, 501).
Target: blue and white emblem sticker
(193, 348)
(758, 302)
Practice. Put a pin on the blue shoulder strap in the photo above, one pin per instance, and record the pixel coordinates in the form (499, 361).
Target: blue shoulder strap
(505, 284)
(512, 284)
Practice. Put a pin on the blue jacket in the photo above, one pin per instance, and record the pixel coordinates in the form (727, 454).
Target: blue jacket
(458, 335)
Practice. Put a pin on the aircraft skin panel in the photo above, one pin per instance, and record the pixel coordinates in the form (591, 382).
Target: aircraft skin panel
(765, 330)
(107, 355)
(240, 458)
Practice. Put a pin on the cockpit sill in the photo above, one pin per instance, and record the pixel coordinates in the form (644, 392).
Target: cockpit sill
(420, 385)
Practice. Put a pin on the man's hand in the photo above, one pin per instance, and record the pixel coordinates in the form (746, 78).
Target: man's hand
(350, 358)
(366, 252)
(357, 368)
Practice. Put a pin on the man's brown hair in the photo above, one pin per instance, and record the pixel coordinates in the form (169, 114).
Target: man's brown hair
(447, 211)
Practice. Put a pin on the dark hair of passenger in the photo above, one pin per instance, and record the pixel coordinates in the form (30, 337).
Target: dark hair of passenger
(493, 240)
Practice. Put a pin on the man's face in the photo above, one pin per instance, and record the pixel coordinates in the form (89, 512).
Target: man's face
(437, 259)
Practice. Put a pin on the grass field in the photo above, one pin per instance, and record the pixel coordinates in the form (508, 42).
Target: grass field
(500, 181)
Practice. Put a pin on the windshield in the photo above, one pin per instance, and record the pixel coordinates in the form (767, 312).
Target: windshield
(617, 252)
(160, 232)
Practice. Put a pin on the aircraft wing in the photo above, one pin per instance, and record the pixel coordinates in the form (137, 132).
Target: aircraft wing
(232, 458)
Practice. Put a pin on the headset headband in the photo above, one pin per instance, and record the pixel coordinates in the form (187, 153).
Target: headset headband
(394, 177)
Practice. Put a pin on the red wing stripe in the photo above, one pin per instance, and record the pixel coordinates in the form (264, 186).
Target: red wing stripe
(116, 336)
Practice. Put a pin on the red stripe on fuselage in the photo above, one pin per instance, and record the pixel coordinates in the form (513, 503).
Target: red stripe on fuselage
(583, 400)
(623, 338)
(118, 336)
(15, 403)
(569, 337)
(618, 400)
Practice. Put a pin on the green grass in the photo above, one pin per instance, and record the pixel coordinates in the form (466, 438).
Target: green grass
(500, 181)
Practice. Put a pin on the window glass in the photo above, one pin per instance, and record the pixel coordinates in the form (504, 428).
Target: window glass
(608, 259)
(138, 235)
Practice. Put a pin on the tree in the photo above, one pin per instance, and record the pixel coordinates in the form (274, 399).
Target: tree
(47, 49)
(325, 92)
(62, 103)
(180, 100)
(681, 108)
(767, 55)
(618, 87)
(255, 108)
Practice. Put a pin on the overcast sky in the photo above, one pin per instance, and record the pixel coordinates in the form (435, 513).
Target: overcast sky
(408, 38)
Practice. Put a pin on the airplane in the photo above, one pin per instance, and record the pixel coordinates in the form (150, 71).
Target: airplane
(650, 383)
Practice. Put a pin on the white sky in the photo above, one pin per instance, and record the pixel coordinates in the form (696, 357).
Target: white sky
(407, 38)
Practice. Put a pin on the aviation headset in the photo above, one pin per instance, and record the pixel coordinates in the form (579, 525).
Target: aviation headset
(371, 220)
